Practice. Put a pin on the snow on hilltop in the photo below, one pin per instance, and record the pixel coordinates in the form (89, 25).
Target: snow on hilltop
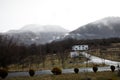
(43, 28)
(38, 34)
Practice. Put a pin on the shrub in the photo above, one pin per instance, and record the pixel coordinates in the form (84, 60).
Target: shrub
(95, 68)
(3, 73)
(31, 72)
(112, 68)
(56, 71)
(76, 70)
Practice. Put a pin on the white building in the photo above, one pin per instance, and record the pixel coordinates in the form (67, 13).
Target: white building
(80, 47)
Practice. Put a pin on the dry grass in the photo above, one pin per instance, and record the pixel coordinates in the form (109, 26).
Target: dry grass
(49, 66)
(50, 63)
(80, 76)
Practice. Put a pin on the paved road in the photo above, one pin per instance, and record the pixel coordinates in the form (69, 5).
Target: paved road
(16, 74)
(95, 59)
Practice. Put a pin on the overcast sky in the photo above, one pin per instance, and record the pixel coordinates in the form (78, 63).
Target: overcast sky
(69, 14)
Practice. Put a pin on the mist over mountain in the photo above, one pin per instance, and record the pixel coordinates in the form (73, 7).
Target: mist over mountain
(40, 28)
(37, 34)
(45, 28)
(105, 28)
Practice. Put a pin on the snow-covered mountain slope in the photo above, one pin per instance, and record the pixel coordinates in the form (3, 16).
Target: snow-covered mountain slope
(104, 28)
(37, 34)
(45, 28)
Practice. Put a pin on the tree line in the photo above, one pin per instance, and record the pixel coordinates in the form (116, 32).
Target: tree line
(13, 53)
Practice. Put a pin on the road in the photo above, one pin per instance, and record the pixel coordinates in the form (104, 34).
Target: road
(16, 74)
(95, 59)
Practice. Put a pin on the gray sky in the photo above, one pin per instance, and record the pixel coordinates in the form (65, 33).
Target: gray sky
(69, 14)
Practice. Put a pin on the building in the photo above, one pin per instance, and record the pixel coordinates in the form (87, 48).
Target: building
(80, 47)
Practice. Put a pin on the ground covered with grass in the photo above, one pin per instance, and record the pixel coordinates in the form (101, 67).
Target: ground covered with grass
(73, 76)
(50, 63)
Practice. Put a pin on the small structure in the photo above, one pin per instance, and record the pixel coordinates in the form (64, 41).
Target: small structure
(76, 48)
(80, 47)
(74, 54)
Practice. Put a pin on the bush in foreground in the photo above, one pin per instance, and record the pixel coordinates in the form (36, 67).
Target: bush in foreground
(56, 71)
(31, 72)
(76, 70)
(95, 68)
(3, 73)
(112, 68)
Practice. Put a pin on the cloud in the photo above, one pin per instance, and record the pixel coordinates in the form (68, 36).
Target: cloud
(67, 13)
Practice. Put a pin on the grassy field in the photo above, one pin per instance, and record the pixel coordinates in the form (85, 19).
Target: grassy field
(79, 76)
(49, 64)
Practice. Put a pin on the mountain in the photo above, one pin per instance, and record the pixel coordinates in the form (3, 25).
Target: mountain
(37, 34)
(39, 28)
(105, 28)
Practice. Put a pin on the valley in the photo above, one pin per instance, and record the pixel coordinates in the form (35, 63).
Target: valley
(41, 48)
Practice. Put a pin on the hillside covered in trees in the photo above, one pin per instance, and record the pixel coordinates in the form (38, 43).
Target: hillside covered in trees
(12, 53)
